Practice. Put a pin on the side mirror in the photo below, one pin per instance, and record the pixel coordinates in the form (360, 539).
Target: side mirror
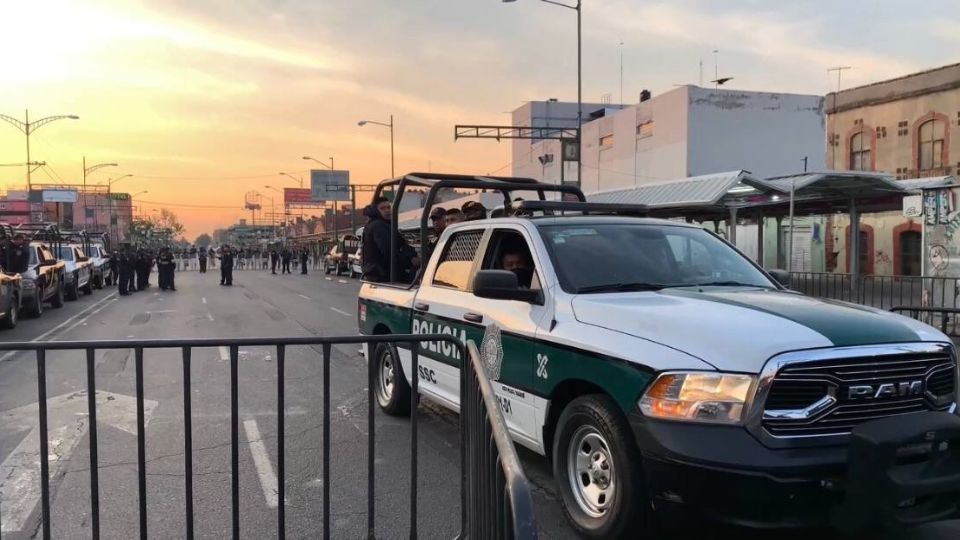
(782, 276)
(501, 285)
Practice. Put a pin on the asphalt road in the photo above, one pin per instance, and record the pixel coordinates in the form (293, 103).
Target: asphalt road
(259, 304)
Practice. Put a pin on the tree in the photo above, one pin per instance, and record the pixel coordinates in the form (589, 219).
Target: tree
(203, 240)
(156, 231)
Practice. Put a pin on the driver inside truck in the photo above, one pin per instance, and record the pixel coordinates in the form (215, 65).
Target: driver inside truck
(518, 261)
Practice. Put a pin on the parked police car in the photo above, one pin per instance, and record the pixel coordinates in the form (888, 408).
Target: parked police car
(659, 368)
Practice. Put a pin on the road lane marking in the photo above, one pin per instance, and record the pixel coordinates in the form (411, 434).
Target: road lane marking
(305, 297)
(342, 312)
(42, 336)
(224, 354)
(67, 420)
(328, 278)
(204, 299)
(162, 311)
(268, 480)
(342, 281)
(209, 316)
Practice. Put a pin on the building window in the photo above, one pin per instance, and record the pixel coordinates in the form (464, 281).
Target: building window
(645, 130)
(860, 152)
(930, 145)
(606, 142)
(903, 128)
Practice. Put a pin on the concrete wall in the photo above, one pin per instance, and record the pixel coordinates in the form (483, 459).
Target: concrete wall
(684, 132)
(768, 134)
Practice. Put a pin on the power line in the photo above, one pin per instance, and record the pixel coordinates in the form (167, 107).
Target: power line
(251, 177)
(180, 205)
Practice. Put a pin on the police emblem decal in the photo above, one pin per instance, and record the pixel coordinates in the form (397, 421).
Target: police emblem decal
(491, 352)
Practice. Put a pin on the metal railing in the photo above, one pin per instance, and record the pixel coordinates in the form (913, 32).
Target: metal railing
(496, 488)
(928, 299)
(498, 452)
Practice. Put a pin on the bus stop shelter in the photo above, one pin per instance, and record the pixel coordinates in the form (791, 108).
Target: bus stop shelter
(736, 195)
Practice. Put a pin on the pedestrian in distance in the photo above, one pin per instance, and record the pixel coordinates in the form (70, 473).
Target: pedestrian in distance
(285, 256)
(115, 266)
(226, 266)
(166, 267)
(126, 265)
(304, 256)
(202, 259)
(274, 259)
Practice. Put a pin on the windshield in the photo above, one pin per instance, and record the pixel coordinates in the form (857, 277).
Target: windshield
(65, 253)
(621, 257)
(33, 256)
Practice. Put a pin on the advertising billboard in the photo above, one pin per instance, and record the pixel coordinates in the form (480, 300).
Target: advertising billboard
(60, 195)
(328, 185)
(297, 196)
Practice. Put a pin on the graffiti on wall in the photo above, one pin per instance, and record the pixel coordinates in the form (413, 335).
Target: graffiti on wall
(941, 233)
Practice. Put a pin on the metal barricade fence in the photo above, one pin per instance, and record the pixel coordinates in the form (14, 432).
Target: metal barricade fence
(928, 299)
(481, 424)
(496, 487)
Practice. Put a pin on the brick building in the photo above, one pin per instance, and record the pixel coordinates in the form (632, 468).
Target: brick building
(908, 127)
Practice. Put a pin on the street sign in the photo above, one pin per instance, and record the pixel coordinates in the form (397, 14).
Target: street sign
(329, 185)
(67, 422)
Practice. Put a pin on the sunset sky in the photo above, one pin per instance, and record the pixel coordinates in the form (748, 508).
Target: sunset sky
(204, 100)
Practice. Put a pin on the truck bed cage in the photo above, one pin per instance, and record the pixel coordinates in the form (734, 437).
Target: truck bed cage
(551, 207)
(48, 232)
(437, 181)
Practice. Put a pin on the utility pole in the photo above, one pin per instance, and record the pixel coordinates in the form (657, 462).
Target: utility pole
(804, 163)
(621, 72)
(716, 71)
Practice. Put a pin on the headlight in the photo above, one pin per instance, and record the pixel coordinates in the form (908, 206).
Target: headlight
(718, 398)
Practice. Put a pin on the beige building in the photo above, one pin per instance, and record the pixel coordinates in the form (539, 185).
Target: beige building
(908, 127)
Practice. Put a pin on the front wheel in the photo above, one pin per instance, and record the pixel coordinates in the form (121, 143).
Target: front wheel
(391, 388)
(596, 466)
(73, 292)
(35, 309)
(10, 317)
(57, 300)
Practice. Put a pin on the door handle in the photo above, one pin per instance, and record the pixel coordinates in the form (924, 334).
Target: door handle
(420, 306)
(473, 317)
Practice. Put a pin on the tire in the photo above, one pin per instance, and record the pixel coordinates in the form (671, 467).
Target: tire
(391, 390)
(594, 428)
(326, 268)
(57, 300)
(73, 293)
(88, 288)
(35, 309)
(98, 283)
(13, 313)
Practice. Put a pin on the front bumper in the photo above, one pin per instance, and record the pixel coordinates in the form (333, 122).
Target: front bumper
(723, 473)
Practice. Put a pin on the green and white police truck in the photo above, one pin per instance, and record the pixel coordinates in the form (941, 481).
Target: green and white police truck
(660, 369)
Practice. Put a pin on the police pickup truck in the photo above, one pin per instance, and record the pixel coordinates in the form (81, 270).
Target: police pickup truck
(662, 371)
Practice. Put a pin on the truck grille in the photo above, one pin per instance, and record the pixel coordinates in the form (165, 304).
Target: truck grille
(857, 390)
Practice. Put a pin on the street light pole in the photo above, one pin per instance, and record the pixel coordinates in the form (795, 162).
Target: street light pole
(386, 125)
(28, 127)
(579, 11)
(86, 171)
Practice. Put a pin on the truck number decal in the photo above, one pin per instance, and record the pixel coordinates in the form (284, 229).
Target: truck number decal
(427, 374)
(505, 405)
